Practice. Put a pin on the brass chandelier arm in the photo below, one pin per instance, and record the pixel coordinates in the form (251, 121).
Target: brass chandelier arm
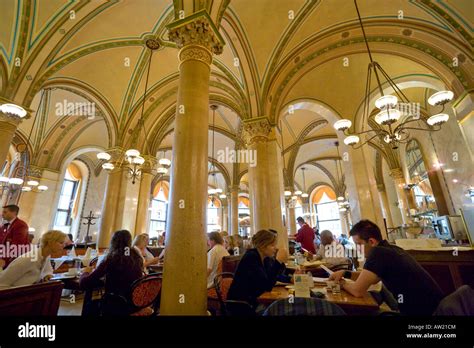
(358, 146)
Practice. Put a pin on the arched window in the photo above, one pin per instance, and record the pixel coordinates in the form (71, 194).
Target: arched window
(213, 219)
(158, 211)
(327, 210)
(67, 211)
(244, 216)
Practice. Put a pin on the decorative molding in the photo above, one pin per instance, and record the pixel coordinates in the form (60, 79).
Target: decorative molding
(195, 52)
(256, 130)
(197, 30)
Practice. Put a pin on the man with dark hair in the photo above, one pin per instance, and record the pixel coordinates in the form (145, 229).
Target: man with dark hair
(413, 288)
(305, 236)
(13, 232)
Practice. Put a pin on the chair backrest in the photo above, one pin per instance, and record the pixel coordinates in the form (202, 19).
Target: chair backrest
(230, 263)
(145, 291)
(31, 300)
(222, 283)
(460, 302)
(303, 306)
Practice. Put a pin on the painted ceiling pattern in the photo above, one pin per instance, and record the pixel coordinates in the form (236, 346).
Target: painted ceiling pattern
(282, 59)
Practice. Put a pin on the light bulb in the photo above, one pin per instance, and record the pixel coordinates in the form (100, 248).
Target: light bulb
(104, 156)
(437, 119)
(42, 188)
(32, 183)
(351, 140)
(108, 166)
(440, 98)
(342, 125)
(14, 110)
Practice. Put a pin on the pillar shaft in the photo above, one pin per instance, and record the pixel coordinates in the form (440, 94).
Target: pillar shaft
(144, 199)
(266, 179)
(109, 207)
(291, 219)
(234, 210)
(399, 180)
(185, 271)
(8, 126)
(386, 205)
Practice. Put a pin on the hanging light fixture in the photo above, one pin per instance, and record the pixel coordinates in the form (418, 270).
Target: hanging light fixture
(132, 157)
(214, 191)
(341, 199)
(21, 179)
(390, 113)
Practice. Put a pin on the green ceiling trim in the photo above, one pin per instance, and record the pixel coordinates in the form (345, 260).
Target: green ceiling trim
(433, 52)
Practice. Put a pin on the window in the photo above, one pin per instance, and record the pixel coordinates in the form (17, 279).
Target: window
(327, 215)
(158, 213)
(213, 217)
(63, 219)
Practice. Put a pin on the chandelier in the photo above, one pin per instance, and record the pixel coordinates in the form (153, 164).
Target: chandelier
(213, 192)
(341, 198)
(132, 159)
(21, 179)
(396, 115)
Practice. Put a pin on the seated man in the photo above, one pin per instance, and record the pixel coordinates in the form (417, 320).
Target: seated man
(413, 288)
(328, 250)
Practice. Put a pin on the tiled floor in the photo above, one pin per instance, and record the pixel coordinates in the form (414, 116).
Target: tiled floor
(71, 304)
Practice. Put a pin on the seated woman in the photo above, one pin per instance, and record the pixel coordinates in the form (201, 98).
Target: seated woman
(214, 256)
(259, 268)
(35, 265)
(140, 244)
(121, 267)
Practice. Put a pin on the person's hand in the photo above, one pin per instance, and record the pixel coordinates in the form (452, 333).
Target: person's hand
(2, 263)
(88, 269)
(337, 276)
(47, 278)
(155, 260)
(282, 255)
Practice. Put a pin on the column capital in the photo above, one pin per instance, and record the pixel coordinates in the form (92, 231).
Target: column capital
(396, 173)
(196, 30)
(256, 130)
(10, 121)
(234, 188)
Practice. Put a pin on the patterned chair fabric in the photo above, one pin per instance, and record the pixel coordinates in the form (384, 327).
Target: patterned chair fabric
(303, 306)
(145, 291)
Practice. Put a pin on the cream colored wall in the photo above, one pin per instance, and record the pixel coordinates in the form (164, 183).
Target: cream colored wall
(391, 195)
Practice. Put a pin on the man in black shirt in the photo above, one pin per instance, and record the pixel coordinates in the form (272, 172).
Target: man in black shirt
(412, 287)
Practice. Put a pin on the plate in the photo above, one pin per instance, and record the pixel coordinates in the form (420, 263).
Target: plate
(63, 276)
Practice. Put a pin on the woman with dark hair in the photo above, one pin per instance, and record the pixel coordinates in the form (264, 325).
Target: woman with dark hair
(121, 267)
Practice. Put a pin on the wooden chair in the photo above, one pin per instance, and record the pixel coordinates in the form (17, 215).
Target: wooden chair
(31, 300)
(230, 263)
(144, 295)
(222, 282)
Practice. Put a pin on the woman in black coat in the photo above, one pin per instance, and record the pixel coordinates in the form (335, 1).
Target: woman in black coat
(259, 268)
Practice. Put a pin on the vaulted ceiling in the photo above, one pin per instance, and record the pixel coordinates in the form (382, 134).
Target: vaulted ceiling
(304, 54)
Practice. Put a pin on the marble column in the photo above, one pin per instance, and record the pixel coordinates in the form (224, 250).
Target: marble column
(234, 210)
(399, 180)
(8, 127)
(225, 215)
(266, 178)
(144, 200)
(386, 205)
(366, 204)
(184, 289)
(291, 218)
(109, 207)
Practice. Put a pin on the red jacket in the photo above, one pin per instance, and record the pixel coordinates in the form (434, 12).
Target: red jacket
(305, 236)
(16, 233)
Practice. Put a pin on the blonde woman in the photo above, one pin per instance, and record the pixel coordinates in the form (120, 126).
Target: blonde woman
(140, 243)
(259, 268)
(35, 265)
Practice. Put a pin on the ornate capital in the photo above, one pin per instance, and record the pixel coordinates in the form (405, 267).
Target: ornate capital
(197, 29)
(256, 130)
(9, 122)
(396, 173)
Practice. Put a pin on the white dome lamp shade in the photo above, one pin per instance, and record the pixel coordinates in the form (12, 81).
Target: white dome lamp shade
(437, 119)
(441, 98)
(13, 110)
(351, 140)
(103, 156)
(342, 125)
